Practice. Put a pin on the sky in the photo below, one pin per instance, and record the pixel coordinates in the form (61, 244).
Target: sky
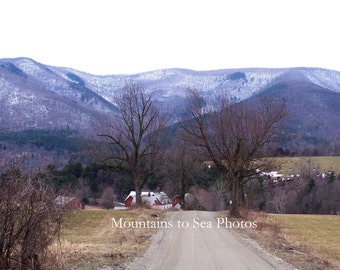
(106, 37)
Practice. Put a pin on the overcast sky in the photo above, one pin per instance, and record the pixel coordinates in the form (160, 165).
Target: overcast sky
(131, 36)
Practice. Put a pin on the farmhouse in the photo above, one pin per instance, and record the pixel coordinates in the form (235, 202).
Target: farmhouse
(149, 198)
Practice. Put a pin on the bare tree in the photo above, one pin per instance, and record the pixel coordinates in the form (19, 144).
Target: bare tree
(134, 136)
(233, 138)
(279, 202)
(219, 189)
(107, 198)
(181, 165)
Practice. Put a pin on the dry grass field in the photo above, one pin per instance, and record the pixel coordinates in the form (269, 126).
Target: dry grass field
(319, 234)
(306, 241)
(89, 241)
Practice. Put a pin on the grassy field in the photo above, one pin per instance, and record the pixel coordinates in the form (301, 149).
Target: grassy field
(309, 165)
(320, 235)
(89, 241)
(306, 241)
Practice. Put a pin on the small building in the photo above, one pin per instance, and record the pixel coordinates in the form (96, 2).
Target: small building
(70, 202)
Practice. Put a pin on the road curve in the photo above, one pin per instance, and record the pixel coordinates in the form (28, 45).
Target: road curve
(202, 245)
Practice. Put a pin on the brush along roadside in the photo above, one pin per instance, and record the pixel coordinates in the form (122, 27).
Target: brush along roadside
(305, 241)
(91, 240)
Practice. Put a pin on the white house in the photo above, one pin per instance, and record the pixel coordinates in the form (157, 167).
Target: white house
(148, 198)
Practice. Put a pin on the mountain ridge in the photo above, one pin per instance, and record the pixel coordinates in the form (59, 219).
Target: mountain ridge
(38, 96)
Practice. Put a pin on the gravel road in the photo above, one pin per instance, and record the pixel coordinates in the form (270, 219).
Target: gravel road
(194, 240)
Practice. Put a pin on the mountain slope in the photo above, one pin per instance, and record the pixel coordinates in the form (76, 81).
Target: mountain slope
(313, 111)
(34, 95)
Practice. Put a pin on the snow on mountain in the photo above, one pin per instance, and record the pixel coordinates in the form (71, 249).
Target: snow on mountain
(328, 79)
(170, 83)
(40, 96)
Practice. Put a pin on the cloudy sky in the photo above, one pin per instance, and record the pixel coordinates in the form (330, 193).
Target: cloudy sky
(130, 36)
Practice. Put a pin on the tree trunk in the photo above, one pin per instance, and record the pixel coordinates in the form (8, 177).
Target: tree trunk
(182, 199)
(235, 199)
(138, 186)
(182, 192)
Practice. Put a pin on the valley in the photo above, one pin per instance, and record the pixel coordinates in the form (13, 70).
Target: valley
(51, 119)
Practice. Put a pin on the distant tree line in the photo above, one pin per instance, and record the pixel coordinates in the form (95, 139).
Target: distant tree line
(89, 181)
(59, 139)
(330, 147)
(308, 194)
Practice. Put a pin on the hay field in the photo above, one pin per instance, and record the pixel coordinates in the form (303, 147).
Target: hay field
(90, 241)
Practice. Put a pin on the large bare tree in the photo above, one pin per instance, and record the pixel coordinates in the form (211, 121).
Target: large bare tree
(234, 137)
(134, 135)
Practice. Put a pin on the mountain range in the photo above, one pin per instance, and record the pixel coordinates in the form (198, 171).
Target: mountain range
(38, 96)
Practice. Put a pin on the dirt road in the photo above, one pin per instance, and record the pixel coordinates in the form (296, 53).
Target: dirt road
(195, 240)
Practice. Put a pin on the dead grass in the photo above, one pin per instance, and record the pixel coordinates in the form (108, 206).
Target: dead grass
(89, 240)
(298, 165)
(306, 241)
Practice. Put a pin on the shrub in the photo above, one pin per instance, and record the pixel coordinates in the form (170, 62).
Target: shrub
(30, 220)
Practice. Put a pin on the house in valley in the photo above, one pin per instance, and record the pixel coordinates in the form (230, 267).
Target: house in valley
(150, 198)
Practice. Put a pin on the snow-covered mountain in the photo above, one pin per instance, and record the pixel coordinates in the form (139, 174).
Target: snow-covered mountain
(34, 95)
